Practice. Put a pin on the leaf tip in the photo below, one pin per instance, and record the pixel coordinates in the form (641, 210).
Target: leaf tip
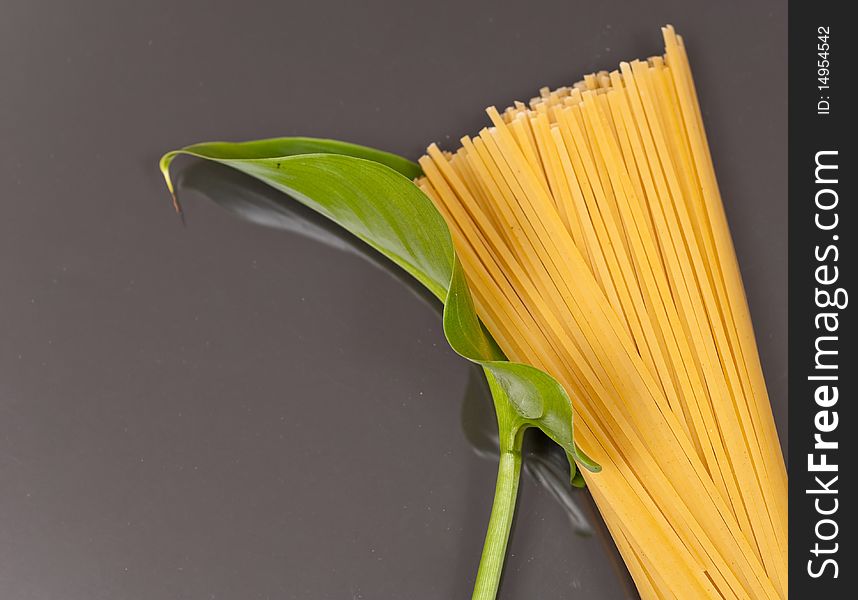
(585, 461)
(164, 165)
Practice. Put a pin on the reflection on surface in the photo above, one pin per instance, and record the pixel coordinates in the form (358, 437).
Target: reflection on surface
(544, 461)
(253, 201)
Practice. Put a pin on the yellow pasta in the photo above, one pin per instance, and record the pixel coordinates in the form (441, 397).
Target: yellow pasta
(592, 233)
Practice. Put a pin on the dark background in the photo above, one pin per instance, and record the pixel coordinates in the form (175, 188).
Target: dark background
(228, 411)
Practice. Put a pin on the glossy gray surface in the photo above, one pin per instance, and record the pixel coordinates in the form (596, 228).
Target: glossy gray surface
(230, 411)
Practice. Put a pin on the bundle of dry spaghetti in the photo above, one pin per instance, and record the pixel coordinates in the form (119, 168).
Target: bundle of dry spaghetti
(593, 236)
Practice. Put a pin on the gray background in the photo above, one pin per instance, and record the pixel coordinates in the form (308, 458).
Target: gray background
(228, 411)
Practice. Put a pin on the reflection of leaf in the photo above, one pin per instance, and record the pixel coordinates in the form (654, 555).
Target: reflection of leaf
(370, 194)
(544, 461)
(253, 201)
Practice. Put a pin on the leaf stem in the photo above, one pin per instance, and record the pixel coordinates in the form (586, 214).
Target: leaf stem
(500, 522)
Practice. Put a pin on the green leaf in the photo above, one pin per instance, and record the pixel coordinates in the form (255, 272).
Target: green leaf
(293, 146)
(338, 187)
(370, 194)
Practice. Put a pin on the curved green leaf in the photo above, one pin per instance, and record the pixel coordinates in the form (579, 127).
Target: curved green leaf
(293, 146)
(367, 192)
(370, 194)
